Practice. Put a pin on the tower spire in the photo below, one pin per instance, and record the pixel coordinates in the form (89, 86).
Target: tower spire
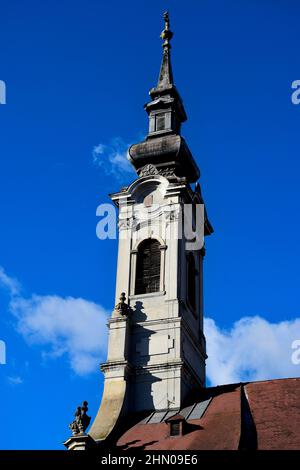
(166, 74)
(164, 148)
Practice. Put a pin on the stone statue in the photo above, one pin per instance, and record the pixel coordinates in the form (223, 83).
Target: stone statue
(122, 308)
(81, 421)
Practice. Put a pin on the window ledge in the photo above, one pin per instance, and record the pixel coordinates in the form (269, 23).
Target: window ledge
(146, 296)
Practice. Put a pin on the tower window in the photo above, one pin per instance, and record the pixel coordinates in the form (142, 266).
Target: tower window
(191, 280)
(177, 425)
(174, 429)
(194, 216)
(148, 267)
(160, 122)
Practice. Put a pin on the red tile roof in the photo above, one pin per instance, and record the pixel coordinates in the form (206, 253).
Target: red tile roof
(261, 414)
(275, 407)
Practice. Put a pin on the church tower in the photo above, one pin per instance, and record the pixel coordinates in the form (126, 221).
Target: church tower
(156, 352)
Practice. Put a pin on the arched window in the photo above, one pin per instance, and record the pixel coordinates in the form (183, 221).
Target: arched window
(194, 215)
(148, 267)
(191, 282)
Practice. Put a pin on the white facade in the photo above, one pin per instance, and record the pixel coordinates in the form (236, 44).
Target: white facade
(160, 348)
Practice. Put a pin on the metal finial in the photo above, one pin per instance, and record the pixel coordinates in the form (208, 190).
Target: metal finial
(166, 34)
(167, 19)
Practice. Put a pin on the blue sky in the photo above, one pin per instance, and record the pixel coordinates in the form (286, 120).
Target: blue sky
(77, 76)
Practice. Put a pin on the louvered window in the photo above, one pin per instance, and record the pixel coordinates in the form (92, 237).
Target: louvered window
(194, 216)
(160, 122)
(148, 267)
(191, 279)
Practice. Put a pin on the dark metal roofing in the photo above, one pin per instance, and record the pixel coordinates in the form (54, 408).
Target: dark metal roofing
(194, 411)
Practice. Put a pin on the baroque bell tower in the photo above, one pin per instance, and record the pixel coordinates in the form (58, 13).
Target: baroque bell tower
(156, 352)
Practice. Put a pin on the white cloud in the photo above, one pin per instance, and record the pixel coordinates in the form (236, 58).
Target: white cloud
(9, 283)
(253, 349)
(97, 151)
(71, 327)
(15, 380)
(113, 158)
(75, 328)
